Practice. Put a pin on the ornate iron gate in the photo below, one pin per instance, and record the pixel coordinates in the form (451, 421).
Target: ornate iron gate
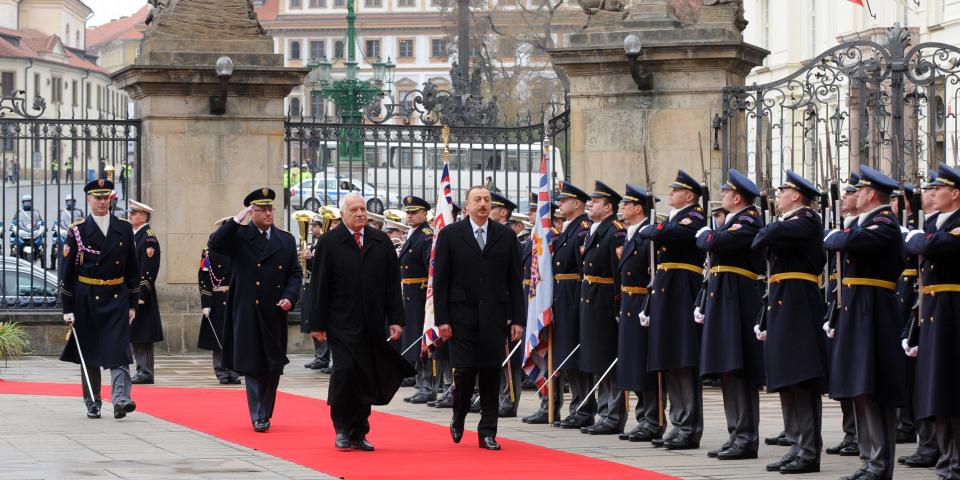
(888, 103)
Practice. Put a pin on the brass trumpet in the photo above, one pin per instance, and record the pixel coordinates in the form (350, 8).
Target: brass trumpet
(303, 218)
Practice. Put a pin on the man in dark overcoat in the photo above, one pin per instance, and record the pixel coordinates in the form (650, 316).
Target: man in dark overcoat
(100, 289)
(213, 278)
(356, 303)
(414, 270)
(479, 308)
(265, 286)
(147, 328)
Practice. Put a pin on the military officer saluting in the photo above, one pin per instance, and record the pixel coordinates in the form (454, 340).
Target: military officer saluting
(100, 289)
(674, 337)
(795, 350)
(866, 366)
(634, 272)
(414, 268)
(728, 347)
(146, 329)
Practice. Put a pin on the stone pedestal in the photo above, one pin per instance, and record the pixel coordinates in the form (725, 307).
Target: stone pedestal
(196, 166)
(613, 123)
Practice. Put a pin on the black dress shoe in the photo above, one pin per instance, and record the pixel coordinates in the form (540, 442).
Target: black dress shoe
(489, 443)
(600, 429)
(121, 409)
(776, 466)
(920, 461)
(235, 381)
(456, 433)
(261, 426)
(856, 475)
(774, 440)
(408, 382)
(783, 442)
(432, 403)
(93, 412)
(506, 413)
(678, 444)
(225, 381)
(538, 418)
(419, 399)
(139, 380)
(445, 402)
(316, 364)
(906, 437)
(572, 422)
(326, 371)
(645, 435)
(342, 442)
(737, 452)
(659, 442)
(713, 453)
(799, 465)
(851, 450)
(361, 444)
(835, 450)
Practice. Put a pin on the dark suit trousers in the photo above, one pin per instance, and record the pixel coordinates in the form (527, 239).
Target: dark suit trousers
(321, 351)
(463, 383)
(849, 421)
(686, 404)
(876, 434)
(261, 394)
(351, 419)
(802, 412)
(948, 438)
(741, 405)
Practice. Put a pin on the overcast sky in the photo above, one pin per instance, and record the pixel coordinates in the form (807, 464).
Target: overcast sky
(106, 10)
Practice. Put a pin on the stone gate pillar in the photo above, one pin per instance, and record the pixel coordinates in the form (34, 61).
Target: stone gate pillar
(198, 166)
(690, 59)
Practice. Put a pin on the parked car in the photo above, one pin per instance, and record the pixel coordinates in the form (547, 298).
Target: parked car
(318, 191)
(26, 285)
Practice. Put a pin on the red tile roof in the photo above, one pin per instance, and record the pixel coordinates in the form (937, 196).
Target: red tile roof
(124, 28)
(269, 10)
(34, 44)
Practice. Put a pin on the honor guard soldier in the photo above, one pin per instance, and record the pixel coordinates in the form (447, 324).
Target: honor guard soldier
(567, 272)
(938, 378)
(866, 367)
(634, 270)
(265, 286)
(414, 268)
(501, 209)
(674, 339)
(728, 347)
(321, 353)
(441, 355)
(146, 329)
(100, 290)
(795, 350)
(599, 307)
(213, 277)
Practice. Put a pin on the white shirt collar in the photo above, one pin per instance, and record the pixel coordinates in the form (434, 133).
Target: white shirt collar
(863, 216)
(632, 229)
(483, 227)
(353, 233)
(942, 218)
(789, 214)
(733, 214)
(675, 211)
(136, 230)
(102, 221)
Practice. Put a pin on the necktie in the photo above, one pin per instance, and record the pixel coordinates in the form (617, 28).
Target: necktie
(359, 239)
(480, 239)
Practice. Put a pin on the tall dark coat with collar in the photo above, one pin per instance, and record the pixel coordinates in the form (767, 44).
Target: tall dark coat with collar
(633, 271)
(356, 295)
(101, 312)
(674, 336)
(147, 328)
(477, 292)
(213, 274)
(867, 356)
(566, 292)
(264, 272)
(938, 375)
(600, 301)
(306, 292)
(415, 265)
(733, 300)
(796, 349)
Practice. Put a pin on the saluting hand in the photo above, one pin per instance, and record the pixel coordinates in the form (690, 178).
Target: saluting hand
(445, 332)
(395, 332)
(242, 214)
(285, 304)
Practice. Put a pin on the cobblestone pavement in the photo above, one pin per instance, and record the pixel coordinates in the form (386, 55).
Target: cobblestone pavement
(49, 437)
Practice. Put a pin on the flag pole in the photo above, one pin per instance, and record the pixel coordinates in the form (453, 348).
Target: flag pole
(550, 393)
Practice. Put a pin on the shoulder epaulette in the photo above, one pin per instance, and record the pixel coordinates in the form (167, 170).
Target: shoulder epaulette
(427, 231)
(78, 222)
(555, 230)
(616, 223)
(584, 224)
(150, 233)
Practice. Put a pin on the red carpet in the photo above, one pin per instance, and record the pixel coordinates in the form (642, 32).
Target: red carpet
(301, 432)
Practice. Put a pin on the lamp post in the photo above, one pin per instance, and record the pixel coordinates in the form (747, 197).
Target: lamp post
(350, 95)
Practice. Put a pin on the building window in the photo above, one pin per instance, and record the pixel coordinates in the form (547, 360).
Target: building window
(317, 49)
(36, 84)
(339, 3)
(89, 102)
(438, 48)
(438, 3)
(373, 3)
(405, 48)
(294, 50)
(318, 3)
(75, 93)
(406, 3)
(294, 107)
(296, 3)
(372, 50)
(765, 23)
(338, 49)
(316, 105)
(7, 81)
(56, 90)
(813, 28)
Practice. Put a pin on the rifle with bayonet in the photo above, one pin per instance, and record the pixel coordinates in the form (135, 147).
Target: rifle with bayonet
(651, 208)
(701, 300)
(919, 219)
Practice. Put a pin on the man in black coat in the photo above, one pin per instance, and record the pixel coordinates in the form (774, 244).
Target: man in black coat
(414, 269)
(265, 286)
(146, 329)
(600, 307)
(100, 289)
(356, 301)
(479, 307)
(729, 348)
(867, 366)
(795, 352)
(213, 278)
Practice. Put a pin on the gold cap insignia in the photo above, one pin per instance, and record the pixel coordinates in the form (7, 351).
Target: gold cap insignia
(265, 191)
(100, 183)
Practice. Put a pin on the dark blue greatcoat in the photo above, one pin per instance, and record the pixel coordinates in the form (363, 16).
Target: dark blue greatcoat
(415, 264)
(566, 293)
(796, 348)
(674, 337)
(867, 357)
(147, 327)
(600, 302)
(101, 312)
(633, 270)
(214, 272)
(733, 300)
(938, 362)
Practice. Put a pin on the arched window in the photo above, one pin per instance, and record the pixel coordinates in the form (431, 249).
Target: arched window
(295, 50)
(294, 106)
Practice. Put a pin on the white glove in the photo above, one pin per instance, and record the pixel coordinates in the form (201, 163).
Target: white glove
(644, 320)
(904, 230)
(913, 233)
(830, 233)
(206, 312)
(762, 336)
(826, 328)
(697, 316)
(908, 350)
(702, 229)
(68, 318)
